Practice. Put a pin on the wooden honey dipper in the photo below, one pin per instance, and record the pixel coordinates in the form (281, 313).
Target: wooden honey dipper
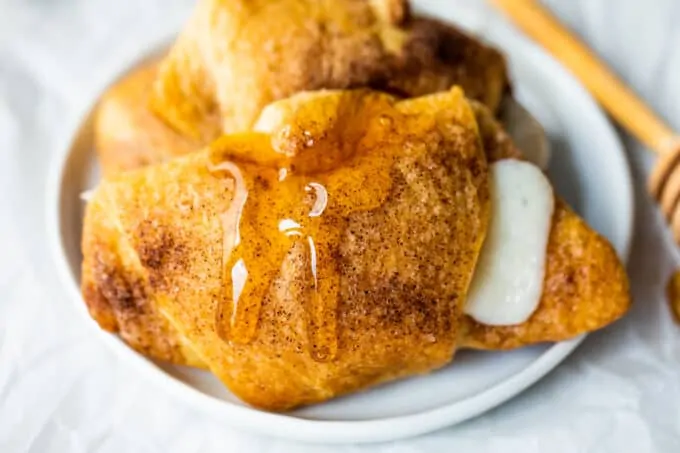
(621, 103)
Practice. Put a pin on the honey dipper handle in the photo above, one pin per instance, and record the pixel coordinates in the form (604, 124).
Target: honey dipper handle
(618, 99)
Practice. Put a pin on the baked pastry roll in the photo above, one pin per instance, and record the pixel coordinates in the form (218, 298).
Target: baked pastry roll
(236, 56)
(330, 249)
(127, 134)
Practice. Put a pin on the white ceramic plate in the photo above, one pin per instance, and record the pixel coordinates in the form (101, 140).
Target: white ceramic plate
(589, 170)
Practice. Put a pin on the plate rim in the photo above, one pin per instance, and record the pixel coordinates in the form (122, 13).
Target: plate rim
(282, 425)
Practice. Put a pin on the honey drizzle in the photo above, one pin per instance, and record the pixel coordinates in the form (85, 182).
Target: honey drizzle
(274, 208)
(231, 240)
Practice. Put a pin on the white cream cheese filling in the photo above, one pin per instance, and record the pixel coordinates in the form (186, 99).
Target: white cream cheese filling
(508, 281)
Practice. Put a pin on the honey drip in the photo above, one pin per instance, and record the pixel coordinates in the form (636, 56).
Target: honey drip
(277, 206)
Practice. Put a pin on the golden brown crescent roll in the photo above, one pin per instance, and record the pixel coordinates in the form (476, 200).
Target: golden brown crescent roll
(329, 250)
(127, 133)
(236, 56)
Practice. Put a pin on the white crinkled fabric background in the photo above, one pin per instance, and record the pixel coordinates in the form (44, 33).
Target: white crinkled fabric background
(61, 390)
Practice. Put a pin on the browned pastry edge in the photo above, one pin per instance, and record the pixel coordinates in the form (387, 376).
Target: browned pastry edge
(118, 298)
(438, 55)
(127, 133)
(573, 300)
